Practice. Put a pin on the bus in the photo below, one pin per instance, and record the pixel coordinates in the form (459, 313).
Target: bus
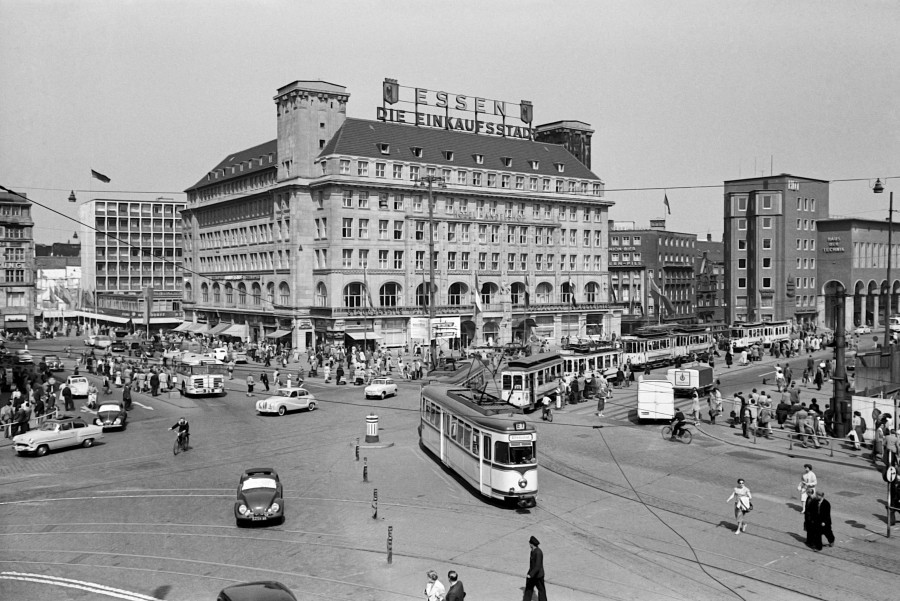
(525, 381)
(497, 456)
(586, 358)
(745, 335)
(201, 379)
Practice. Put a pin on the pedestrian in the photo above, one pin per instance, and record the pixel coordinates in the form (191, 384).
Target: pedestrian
(456, 592)
(857, 434)
(339, 375)
(807, 486)
(535, 576)
(69, 403)
(824, 519)
(695, 405)
(126, 397)
(264, 378)
(275, 379)
(891, 449)
(765, 415)
(249, 385)
(728, 358)
(434, 589)
(742, 505)
(811, 522)
(154, 384)
(601, 403)
(745, 416)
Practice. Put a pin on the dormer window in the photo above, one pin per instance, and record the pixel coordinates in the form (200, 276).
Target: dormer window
(448, 155)
(507, 161)
(534, 164)
(560, 167)
(479, 159)
(384, 148)
(417, 151)
(271, 157)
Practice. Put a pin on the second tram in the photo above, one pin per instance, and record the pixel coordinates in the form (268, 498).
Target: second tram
(525, 381)
(591, 358)
(744, 335)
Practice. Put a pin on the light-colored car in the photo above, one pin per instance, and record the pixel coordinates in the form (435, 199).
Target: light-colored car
(287, 399)
(219, 353)
(862, 330)
(90, 340)
(195, 359)
(23, 356)
(102, 342)
(381, 388)
(79, 385)
(173, 354)
(239, 356)
(57, 434)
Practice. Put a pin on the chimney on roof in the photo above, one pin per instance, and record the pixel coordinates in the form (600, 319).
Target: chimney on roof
(709, 237)
(575, 136)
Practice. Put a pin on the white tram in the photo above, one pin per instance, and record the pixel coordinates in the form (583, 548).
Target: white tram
(525, 381)
(591, 358)
(658, 346)
(496, 455)
(653, 350)
(745, 335)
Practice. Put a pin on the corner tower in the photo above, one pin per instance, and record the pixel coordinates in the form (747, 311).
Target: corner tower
(309, 114)
(575, 136)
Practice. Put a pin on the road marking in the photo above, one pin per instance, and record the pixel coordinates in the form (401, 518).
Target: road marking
(143, 405)
(77, 584)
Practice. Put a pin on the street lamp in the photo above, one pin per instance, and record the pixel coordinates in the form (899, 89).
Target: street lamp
(430, 181)
(878, 189)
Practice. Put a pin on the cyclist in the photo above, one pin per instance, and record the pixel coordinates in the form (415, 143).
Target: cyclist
(677, 424)
(545, 408)
(183, 427)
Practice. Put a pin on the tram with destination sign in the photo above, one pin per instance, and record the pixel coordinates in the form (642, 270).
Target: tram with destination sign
(525, 381)
(495, 454)
(581, 358)
(658, 346)
(745, 335)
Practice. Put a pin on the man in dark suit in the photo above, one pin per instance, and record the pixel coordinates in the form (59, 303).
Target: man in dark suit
(824, 513)
(811, 522)
(456, 591)
(535, 577)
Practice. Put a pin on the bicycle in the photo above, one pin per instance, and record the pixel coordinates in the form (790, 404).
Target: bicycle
(686, 437)
(547, 413)
(181, 443)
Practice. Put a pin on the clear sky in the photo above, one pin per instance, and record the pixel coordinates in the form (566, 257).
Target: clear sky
(680, 93)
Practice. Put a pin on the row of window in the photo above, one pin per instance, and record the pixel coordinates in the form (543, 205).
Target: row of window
(137, 209)
(14, 254)
(138, 283)
(14, 276)
(242, 236)
(254, 294)
(146, 253)
(805, 282)
(463, 260)
(237, 186)
(478, 178)
(15, 299)
(14, 232)
(11, 210)
(246, 262)
(874, 254)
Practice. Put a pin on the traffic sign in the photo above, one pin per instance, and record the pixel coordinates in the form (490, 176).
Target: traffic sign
(890, 474)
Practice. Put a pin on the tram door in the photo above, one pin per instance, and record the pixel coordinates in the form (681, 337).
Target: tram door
(486, 450)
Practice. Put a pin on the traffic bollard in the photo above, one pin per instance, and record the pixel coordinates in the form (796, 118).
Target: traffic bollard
(357, 448)
(390, 544)
(365, 469)
(375, 505)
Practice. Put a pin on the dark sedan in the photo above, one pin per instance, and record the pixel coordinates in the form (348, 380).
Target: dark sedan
(260, 497)
(118, 346)
(111, 414)
(268, 590)
(53, 362)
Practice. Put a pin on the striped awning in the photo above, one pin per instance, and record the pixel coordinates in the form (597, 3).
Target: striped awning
(278, 333)
(218, 328)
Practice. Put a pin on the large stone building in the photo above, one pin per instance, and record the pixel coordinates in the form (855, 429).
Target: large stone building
(710, 281)
(131, 262)
(641, 258)
(17, 285)
(770, 247)
(321, 235)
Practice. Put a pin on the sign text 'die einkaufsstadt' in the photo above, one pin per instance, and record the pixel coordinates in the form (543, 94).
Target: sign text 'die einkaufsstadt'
(454, 112)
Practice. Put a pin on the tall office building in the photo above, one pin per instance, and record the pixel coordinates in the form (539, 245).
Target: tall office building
(321, 236)
(17, 285)
(770, 247)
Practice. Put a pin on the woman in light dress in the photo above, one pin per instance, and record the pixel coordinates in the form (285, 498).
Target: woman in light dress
(741, 495)
(434, 589)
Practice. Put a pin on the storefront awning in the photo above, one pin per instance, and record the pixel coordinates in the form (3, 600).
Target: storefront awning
(183, 327)
(278, 333)
(197, 328)
(361, 336)
(16, 325)
(238, 330)
(218, 328)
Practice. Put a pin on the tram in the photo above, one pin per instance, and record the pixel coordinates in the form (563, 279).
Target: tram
(744, 335)
(658, 346)
(584, 358)
(495, 455)
(525, 381)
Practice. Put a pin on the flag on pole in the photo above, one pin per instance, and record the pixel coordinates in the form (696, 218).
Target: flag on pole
(612, 295)
(100, 176)
(572, 294)
(148, 305)
(661, 298)
(479, 308)
(666, 203)
(366, 283)
(527, 293)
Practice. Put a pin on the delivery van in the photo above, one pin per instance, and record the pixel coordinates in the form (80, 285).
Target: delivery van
(655, 398)
(686, 379)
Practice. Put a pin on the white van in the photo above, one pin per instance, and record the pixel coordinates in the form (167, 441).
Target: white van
(656, 398)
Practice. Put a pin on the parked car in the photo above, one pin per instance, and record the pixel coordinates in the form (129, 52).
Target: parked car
(267, 590)
(118, 346)
(287, 399)
(23, 356)
(111, 414)
(57, 434)
(90, 340)
(102, 342)
(53, 362)
(863, 329)
(380, 388)
(79, 385)
(239, 356)
(260, 497)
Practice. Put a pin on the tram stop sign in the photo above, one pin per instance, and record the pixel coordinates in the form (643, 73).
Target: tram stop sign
(890, 474)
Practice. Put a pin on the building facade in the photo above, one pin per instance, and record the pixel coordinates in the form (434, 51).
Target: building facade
(770, 247)
(709, 275)
(324, 233)
(853, 253)
(131, 262)
(641, 258)
(17, 285)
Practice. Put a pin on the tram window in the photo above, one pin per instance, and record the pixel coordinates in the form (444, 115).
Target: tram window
(453, 428)
(467, 436)
(501, 452)
(507, 382)
(517, 382)
(487, 447)
(540, 377)
(475, 435)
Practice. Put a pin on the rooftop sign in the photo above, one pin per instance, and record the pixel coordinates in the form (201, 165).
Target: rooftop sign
(455, 112)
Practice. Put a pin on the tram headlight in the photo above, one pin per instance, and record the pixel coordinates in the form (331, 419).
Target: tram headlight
(523, 482)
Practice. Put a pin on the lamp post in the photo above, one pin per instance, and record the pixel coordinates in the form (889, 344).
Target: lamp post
(430, 181)
(878, 189)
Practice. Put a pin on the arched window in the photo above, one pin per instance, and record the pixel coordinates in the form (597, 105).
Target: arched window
(284, 294)
(256, 292)
(491, 331)
(517, 293)
(489, 291)
(457, 294)
(204, 293)
(188, 293)
(321, 295)
(543, 293)
(566, 290)
(592, 292)
(229, 294)
(422, 295)
(270, 293)
(353, 295)
(242, 294)
(389, 294)
(217, 294)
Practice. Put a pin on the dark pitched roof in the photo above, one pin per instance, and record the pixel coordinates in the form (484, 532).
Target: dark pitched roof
(360, 137)
(235, 159)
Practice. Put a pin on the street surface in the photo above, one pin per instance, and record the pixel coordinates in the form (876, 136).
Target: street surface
(621, 514)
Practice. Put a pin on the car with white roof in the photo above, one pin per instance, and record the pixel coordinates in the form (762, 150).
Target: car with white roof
(59, 433)
(381, 388)
(79, 385)
(291, 398)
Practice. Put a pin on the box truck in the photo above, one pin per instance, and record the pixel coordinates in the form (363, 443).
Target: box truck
(686, 379)
(656, 398)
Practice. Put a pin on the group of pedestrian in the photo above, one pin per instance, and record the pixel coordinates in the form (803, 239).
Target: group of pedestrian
(436, 591)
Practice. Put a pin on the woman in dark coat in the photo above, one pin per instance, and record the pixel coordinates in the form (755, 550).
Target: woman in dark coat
(728, 358)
